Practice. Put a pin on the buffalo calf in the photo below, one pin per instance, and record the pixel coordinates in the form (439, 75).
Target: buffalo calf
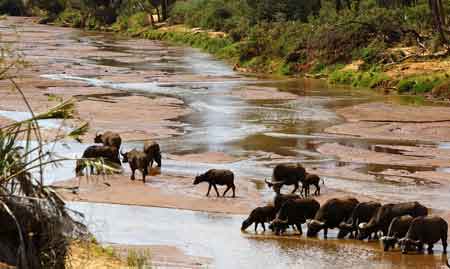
(137, 161)
(259, 215)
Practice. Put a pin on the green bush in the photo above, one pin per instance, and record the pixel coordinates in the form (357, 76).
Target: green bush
(418, 84)
(70, 17)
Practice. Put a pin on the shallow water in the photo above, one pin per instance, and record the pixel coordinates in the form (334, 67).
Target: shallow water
(218, 236)
(252, 131)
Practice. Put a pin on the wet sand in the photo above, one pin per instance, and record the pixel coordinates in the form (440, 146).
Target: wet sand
(170, 191)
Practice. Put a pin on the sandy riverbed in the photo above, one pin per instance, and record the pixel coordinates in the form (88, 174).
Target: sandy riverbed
(139, 117)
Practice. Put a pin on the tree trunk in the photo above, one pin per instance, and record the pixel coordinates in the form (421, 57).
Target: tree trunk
(164, 9)
(436, 12)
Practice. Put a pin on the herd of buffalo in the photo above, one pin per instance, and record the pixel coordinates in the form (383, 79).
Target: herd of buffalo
(407, 225)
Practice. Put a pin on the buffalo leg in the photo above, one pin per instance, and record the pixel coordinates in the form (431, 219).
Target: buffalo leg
(295, 187)
(209, 189)
(132, 174)
(299, 228)
(325, 233)
(225, 192)
(256, 226)
(444, 246)
(317, 192)
(430, 249)
(234, 190)
(264, 226)
(215, 188)
(144, 173)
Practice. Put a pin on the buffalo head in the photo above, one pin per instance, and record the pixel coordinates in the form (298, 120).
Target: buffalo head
(98, 138)
(276, 186)
(388, 242)
(314, 228)
(279, 226)
(407, 244)
(125, 156)
(344, 229)
(245, 224)
(199, 179)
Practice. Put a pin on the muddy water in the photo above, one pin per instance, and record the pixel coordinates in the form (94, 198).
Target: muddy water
(218, 236)
(253, 130)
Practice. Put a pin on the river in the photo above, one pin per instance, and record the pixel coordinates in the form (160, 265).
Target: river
(251, 130)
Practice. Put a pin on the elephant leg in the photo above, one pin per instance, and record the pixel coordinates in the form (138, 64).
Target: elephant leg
(209, 189)
(215, 188)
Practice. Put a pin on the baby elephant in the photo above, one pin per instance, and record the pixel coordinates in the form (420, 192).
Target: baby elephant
(425, 230)
(259, 215)
(217, 177)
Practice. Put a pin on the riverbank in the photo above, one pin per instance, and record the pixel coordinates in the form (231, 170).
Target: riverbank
(418, 73)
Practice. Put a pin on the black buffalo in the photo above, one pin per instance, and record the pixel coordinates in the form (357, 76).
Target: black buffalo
(280, 199)
(397, 229)
(259, 215)
(137, 161)
(107, 153)
(295, 212)
(287, 174)
(425, 230)
(153, 152)
(331, 214)
(109, 139)
(362, 213)
(383, 218)
(217, 177)
(311, 179)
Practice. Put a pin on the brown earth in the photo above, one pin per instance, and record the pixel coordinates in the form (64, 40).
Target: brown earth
(171, 191)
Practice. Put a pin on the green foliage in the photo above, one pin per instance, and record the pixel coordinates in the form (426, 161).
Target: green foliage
(216, 15)
(70, 17)
(369, 79)
(419, 84)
